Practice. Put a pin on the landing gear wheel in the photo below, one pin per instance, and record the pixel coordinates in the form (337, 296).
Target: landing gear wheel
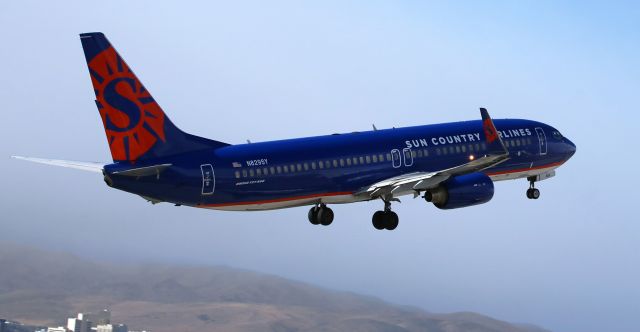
(392, 220)
(313, 215)
(325, 216)
(532, 192)
(378, 220)
(535, 193)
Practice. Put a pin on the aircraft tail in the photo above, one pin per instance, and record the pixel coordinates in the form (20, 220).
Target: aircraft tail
(136, 126)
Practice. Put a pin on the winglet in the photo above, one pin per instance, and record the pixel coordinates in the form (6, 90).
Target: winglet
(495, 145)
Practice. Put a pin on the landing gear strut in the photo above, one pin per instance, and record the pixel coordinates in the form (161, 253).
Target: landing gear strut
(321, 215)
(532, 192)
(386, 219)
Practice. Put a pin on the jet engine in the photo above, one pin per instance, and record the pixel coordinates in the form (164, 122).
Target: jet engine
(461, 191)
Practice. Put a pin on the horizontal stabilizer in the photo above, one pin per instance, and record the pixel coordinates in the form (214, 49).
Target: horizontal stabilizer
(144, 171)
(81, 165)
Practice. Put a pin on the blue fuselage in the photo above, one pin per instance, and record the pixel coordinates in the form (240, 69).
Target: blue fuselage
(332, 168)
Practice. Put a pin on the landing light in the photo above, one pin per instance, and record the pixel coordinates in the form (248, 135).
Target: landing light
(471, 157)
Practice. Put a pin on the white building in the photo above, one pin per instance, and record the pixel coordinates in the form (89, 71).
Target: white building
(112, 328)
(56, 329)
(79, 324)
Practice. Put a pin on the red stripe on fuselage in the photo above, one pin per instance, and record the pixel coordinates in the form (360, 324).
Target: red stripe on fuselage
(277, 200)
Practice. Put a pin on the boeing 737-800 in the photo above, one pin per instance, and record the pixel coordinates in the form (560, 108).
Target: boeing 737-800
(452, 165)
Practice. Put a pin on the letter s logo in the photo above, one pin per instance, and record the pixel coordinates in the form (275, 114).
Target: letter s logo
(125, 113)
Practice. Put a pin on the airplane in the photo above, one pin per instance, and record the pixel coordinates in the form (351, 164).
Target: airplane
(452, 165)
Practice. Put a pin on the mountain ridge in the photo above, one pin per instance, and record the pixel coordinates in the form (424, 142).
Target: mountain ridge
(42, 288)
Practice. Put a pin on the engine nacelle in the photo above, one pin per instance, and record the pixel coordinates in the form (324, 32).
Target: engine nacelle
(461, 191)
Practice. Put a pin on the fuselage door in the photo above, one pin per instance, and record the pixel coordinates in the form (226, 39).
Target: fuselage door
(396, 158)
(542, 141)
(208, 179)
(408, 157)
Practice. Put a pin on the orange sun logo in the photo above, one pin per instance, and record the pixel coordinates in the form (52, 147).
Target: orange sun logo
(132, 119)
(489, 131)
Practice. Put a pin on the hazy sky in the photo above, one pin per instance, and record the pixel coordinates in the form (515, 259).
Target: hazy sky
(237, 70)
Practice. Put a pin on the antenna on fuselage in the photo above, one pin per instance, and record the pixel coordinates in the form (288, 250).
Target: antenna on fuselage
(248, 141)
(374, 127)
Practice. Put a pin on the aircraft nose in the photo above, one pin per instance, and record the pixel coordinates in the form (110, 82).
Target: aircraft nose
(570, 148)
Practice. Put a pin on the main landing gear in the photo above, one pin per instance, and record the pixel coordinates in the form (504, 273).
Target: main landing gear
(532, 192)
(386, 219)
(321, 215)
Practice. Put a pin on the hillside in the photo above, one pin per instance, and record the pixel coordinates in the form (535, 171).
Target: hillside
(42, 288)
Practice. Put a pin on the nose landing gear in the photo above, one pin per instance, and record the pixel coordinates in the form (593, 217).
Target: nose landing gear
(321, 215)
(532, 192)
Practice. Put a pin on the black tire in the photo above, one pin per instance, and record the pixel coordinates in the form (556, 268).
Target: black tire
(378, 220)
(535, 193)
(313, 215)
(529, 194)
(392, 220)
(325, 216)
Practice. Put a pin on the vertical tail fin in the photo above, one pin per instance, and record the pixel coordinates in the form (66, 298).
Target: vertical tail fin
(136, 126)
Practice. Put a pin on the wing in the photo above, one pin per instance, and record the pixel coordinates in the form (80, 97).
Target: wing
(420, 181)
(81, 165)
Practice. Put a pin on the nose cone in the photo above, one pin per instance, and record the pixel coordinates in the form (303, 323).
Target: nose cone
(570, 148)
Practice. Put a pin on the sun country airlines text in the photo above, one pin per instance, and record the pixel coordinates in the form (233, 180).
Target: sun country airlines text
(464, 138)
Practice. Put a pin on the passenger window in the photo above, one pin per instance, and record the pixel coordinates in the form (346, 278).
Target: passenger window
(299, 168)
(355, 161)
(306, 166)
(457, 149)
(265, 171)
(464, 148)
(293, 168)
(273, 170)
(237, 174)
(327, 164)
(251, 173)
(419, 154)
(375, 158)
(341, 162)
(444, 151)
(426, 153)
(348, 161)
(313, 165)
(451, 150)
(244, 173)
(413, 154)
(484, 146)
(438, 152)
(361, 160)
(279, 168)
(388, 156)
(380, 158)
(259, 172)
(368, 158)
(477, 147)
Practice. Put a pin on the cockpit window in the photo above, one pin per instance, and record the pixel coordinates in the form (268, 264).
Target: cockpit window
(557, 135)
